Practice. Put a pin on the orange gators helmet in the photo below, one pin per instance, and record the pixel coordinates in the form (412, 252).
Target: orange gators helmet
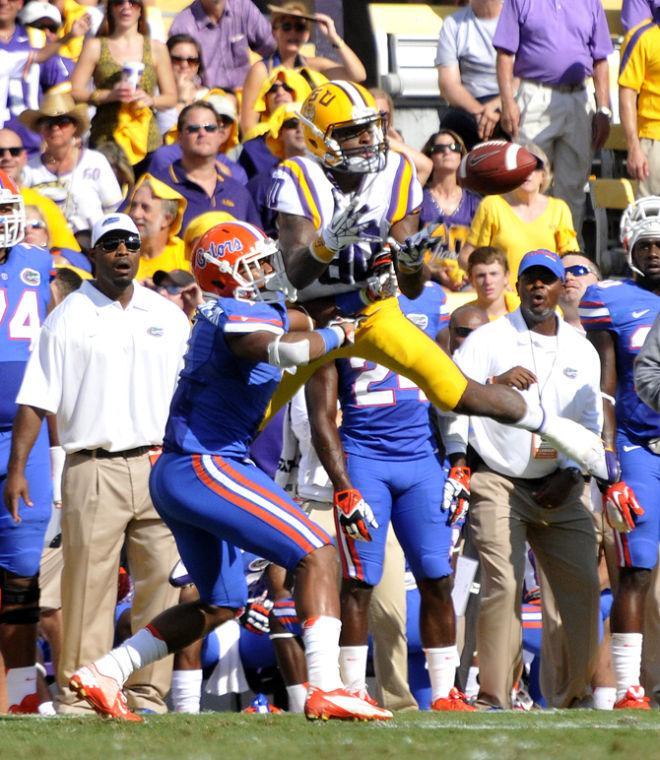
(237, 260)
(12, 212)
(336, 111)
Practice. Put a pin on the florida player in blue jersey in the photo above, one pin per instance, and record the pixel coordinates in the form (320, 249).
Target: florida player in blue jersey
(386, 456)
(24, 296)
(617, 316)
(214, 499)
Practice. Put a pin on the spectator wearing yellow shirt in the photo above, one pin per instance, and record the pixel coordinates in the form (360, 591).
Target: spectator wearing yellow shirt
(523, 220)
(639, 103)
(488, 272)
(13, 157)
(157, 211)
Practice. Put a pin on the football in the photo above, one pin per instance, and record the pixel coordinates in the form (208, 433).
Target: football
(495, 167)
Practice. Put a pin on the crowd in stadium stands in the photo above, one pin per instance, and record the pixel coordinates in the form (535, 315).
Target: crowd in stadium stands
(390, 537)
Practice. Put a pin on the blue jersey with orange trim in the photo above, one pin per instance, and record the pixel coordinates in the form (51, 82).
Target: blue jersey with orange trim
(221, 399)
(627, 311)
(24, 296)
(385, 415)
(301, 186)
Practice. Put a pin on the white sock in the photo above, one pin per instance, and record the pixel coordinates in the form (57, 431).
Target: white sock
(626, 660)
(472, 684)
(186, 691)
(321, 639)
(533, 417)
(297, 696)
(604, 697)
(139, 650)
(20, 683)
(441, 663)
(353, 666)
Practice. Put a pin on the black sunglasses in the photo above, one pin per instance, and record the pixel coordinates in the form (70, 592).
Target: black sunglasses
(578, 270)
(290, 124)
(193, 129)
(185, 59)
(11, 151)
(299, 26)
(463, 332)
(55, 121)
(112, 242)
(44, 26)
(225, 120)
(279, 86)
(121, 2)
(452, 146)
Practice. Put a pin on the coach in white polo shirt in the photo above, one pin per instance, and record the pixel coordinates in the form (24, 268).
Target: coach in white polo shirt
(524, 490)
(106, 363)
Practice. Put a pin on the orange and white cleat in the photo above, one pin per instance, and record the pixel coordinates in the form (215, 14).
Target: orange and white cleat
(633, 699)
(341, 704)
(103, 693)
(454, 701)
(363, 694)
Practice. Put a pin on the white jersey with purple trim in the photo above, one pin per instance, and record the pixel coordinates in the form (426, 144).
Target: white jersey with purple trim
(302, 187)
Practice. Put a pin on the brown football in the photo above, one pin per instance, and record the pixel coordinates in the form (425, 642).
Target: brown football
(496, 167)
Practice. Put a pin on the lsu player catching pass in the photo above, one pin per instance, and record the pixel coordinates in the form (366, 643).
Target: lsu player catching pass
(388, 456)
(24, 296)
(335, 210)
(618, 315)
(214, 499)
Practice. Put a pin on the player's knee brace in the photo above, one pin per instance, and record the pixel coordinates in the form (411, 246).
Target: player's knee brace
(19, 599)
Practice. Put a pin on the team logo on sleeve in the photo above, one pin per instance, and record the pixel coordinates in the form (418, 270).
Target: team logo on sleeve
(30, 277)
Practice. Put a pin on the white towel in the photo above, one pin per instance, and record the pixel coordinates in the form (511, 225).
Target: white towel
(228, 676)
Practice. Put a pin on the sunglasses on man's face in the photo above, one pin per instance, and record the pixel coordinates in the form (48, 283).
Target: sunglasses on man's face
(133, 3)
(449, 147)
(578, 270)
(13, 151)
(190, 60)
(279, 86)
(193, 129)
(44, 26)
(298, 26)
(112, 242)
(290, 124)
(35, 224)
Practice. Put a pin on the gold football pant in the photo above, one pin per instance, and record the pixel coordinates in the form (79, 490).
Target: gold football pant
(386, 336)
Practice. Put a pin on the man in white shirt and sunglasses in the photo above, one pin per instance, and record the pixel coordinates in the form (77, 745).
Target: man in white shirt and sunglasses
(106, 362)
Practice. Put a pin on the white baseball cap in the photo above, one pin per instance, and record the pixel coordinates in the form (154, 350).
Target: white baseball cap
(36, 10)
(113, 223)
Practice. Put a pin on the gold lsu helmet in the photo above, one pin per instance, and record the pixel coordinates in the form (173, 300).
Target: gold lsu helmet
(336, 111)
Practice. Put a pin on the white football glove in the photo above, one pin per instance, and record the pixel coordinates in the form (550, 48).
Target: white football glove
(410, 254)
(354, 514)
(347, 227)
(456, 495)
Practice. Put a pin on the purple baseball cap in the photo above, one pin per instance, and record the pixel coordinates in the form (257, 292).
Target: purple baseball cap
(542, 258)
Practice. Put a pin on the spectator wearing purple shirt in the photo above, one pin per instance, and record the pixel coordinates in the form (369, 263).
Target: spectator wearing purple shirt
(552, 47)
(195, 175)
(633, 12)
(226, 30)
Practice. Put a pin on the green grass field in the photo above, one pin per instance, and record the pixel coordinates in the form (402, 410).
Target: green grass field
(579, 735)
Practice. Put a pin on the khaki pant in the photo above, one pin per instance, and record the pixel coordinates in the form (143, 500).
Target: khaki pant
(503, 517)
(50, 579)
(387, 618)
(650, 185)
(106, 502)
(560, 124)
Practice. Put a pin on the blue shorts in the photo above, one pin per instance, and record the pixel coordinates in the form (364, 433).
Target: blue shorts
(640, 468)
(410, 495)
(214, 505)
(21, 544)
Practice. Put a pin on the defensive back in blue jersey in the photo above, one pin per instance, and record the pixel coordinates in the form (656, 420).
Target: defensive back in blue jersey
(385, 415)
(628, 311)
(221, 399)
(24, 296)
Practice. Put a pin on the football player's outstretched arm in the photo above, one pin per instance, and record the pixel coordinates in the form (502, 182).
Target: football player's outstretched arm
(292, 349)
(321, 397)
(296, 236)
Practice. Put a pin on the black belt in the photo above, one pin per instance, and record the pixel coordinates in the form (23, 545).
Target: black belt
(105, 454)
(560, 87)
